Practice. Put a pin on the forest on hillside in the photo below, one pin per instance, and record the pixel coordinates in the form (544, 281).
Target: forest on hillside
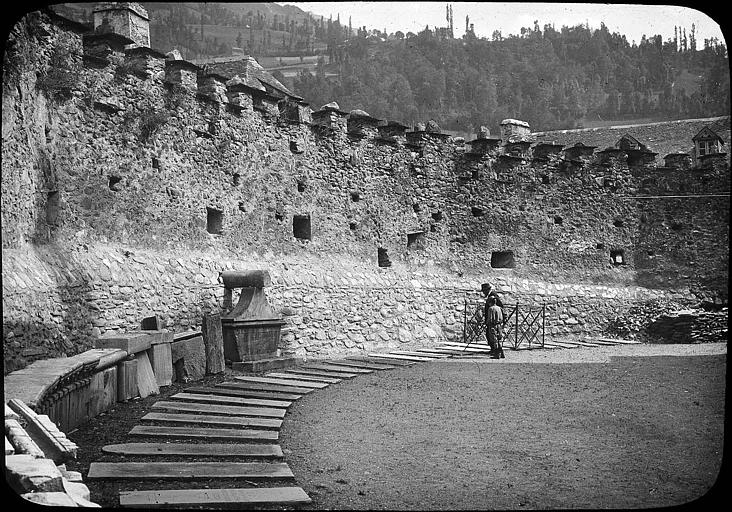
(551, 78)
(554, 79)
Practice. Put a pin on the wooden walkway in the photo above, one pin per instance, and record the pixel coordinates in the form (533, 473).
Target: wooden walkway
(240, 419)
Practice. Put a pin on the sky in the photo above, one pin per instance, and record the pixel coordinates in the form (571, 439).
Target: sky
(632, 20)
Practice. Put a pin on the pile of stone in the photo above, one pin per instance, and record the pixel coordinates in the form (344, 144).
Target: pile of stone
(36, 453)
(689, 326)
(633, 325)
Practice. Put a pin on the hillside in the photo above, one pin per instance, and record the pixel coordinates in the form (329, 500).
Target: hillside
(662, 138)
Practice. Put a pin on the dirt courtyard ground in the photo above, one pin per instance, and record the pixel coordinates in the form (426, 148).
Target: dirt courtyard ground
(612, 427)
(615, 427)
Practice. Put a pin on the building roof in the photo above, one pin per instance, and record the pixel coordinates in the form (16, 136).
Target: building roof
(707, 133)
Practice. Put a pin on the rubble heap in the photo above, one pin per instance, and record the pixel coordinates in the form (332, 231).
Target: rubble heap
(689, 326)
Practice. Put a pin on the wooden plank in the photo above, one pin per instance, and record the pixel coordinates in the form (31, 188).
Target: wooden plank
(231, 400)
(334, 368)
(213, 341)
(617, 341)
(188, 470)
(585, 343)
(600, 342)
(147, 384)
(258, 386)
(282, 382)
(102, 391)
(126, 380)
(295, 376)
(430, 355)
(446, 351)
(206, 433)
(207, 419)
(244, 393)
(360, 364)
(223, 410)
(189, 498)
(381, 360)
(562, 344)
(397, 356)
(161, 359)
(197, 449)
(131, 343)
(321, 373)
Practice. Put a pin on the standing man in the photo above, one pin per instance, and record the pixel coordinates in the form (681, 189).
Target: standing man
(488, 293)
(494, 322)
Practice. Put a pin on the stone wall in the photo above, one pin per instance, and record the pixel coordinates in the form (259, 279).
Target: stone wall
(128, 189)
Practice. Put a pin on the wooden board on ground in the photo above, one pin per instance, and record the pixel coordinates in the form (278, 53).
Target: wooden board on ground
(147, 384)
(244, 393)
(189, 498)
(258, 386)
(213, 341)
(585, 343)
(360, 364)
(207, 419)
(399, 356)
(282, 382)
(189, 470)
(381, 360)
(600, 342)
(334, 368)
(223, 410)
(321, 373)
(563, 344)
(436, 351)
(615, 340)
(197, 449)
(430, 355)
(296, 376)
(206, 433)
(231, 400)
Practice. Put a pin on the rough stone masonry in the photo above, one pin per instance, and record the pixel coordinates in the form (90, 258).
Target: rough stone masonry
(130, 181)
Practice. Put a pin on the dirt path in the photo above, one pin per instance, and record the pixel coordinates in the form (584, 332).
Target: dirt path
(614, 429)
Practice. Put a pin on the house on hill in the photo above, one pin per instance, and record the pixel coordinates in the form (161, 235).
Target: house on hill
(706, 142)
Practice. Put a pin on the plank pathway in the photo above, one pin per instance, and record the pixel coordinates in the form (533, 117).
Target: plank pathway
(252, 408)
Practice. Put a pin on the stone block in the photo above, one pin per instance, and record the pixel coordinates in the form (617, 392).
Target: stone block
(25, 473)
(189, 359)
(261, 365)
(160, 336)
(76, 489)
(131, 343)
(52, 499)
(71, 476)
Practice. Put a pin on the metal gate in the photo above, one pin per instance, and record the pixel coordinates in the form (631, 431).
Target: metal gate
(523, 324)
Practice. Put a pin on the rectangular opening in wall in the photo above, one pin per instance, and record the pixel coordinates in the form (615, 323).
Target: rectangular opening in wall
(301, 227)
(383, 257)
(52, 207)
(502, 259)
(214, 221)
(617, 256)
(415, 240)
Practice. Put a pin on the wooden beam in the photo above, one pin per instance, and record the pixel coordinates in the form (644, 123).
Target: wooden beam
(223, 410)
(213, 341)
(282, 382)
(161, 359)
(126, 380)
(189, 498)
(207, 419)
(360, 364)
(197, 449)
(398, 356)
(206, 433)
(147, 383)
(256, 386)
(393, 362)
(231, 400)
(299, 377)
(334, 368)
(188, 470)
(320, 373)
(244, 393)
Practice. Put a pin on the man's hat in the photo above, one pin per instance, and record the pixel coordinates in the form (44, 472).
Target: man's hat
(485, 286)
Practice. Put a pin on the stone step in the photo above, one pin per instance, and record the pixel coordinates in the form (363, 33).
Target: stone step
(188, 470)
(196, 449)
